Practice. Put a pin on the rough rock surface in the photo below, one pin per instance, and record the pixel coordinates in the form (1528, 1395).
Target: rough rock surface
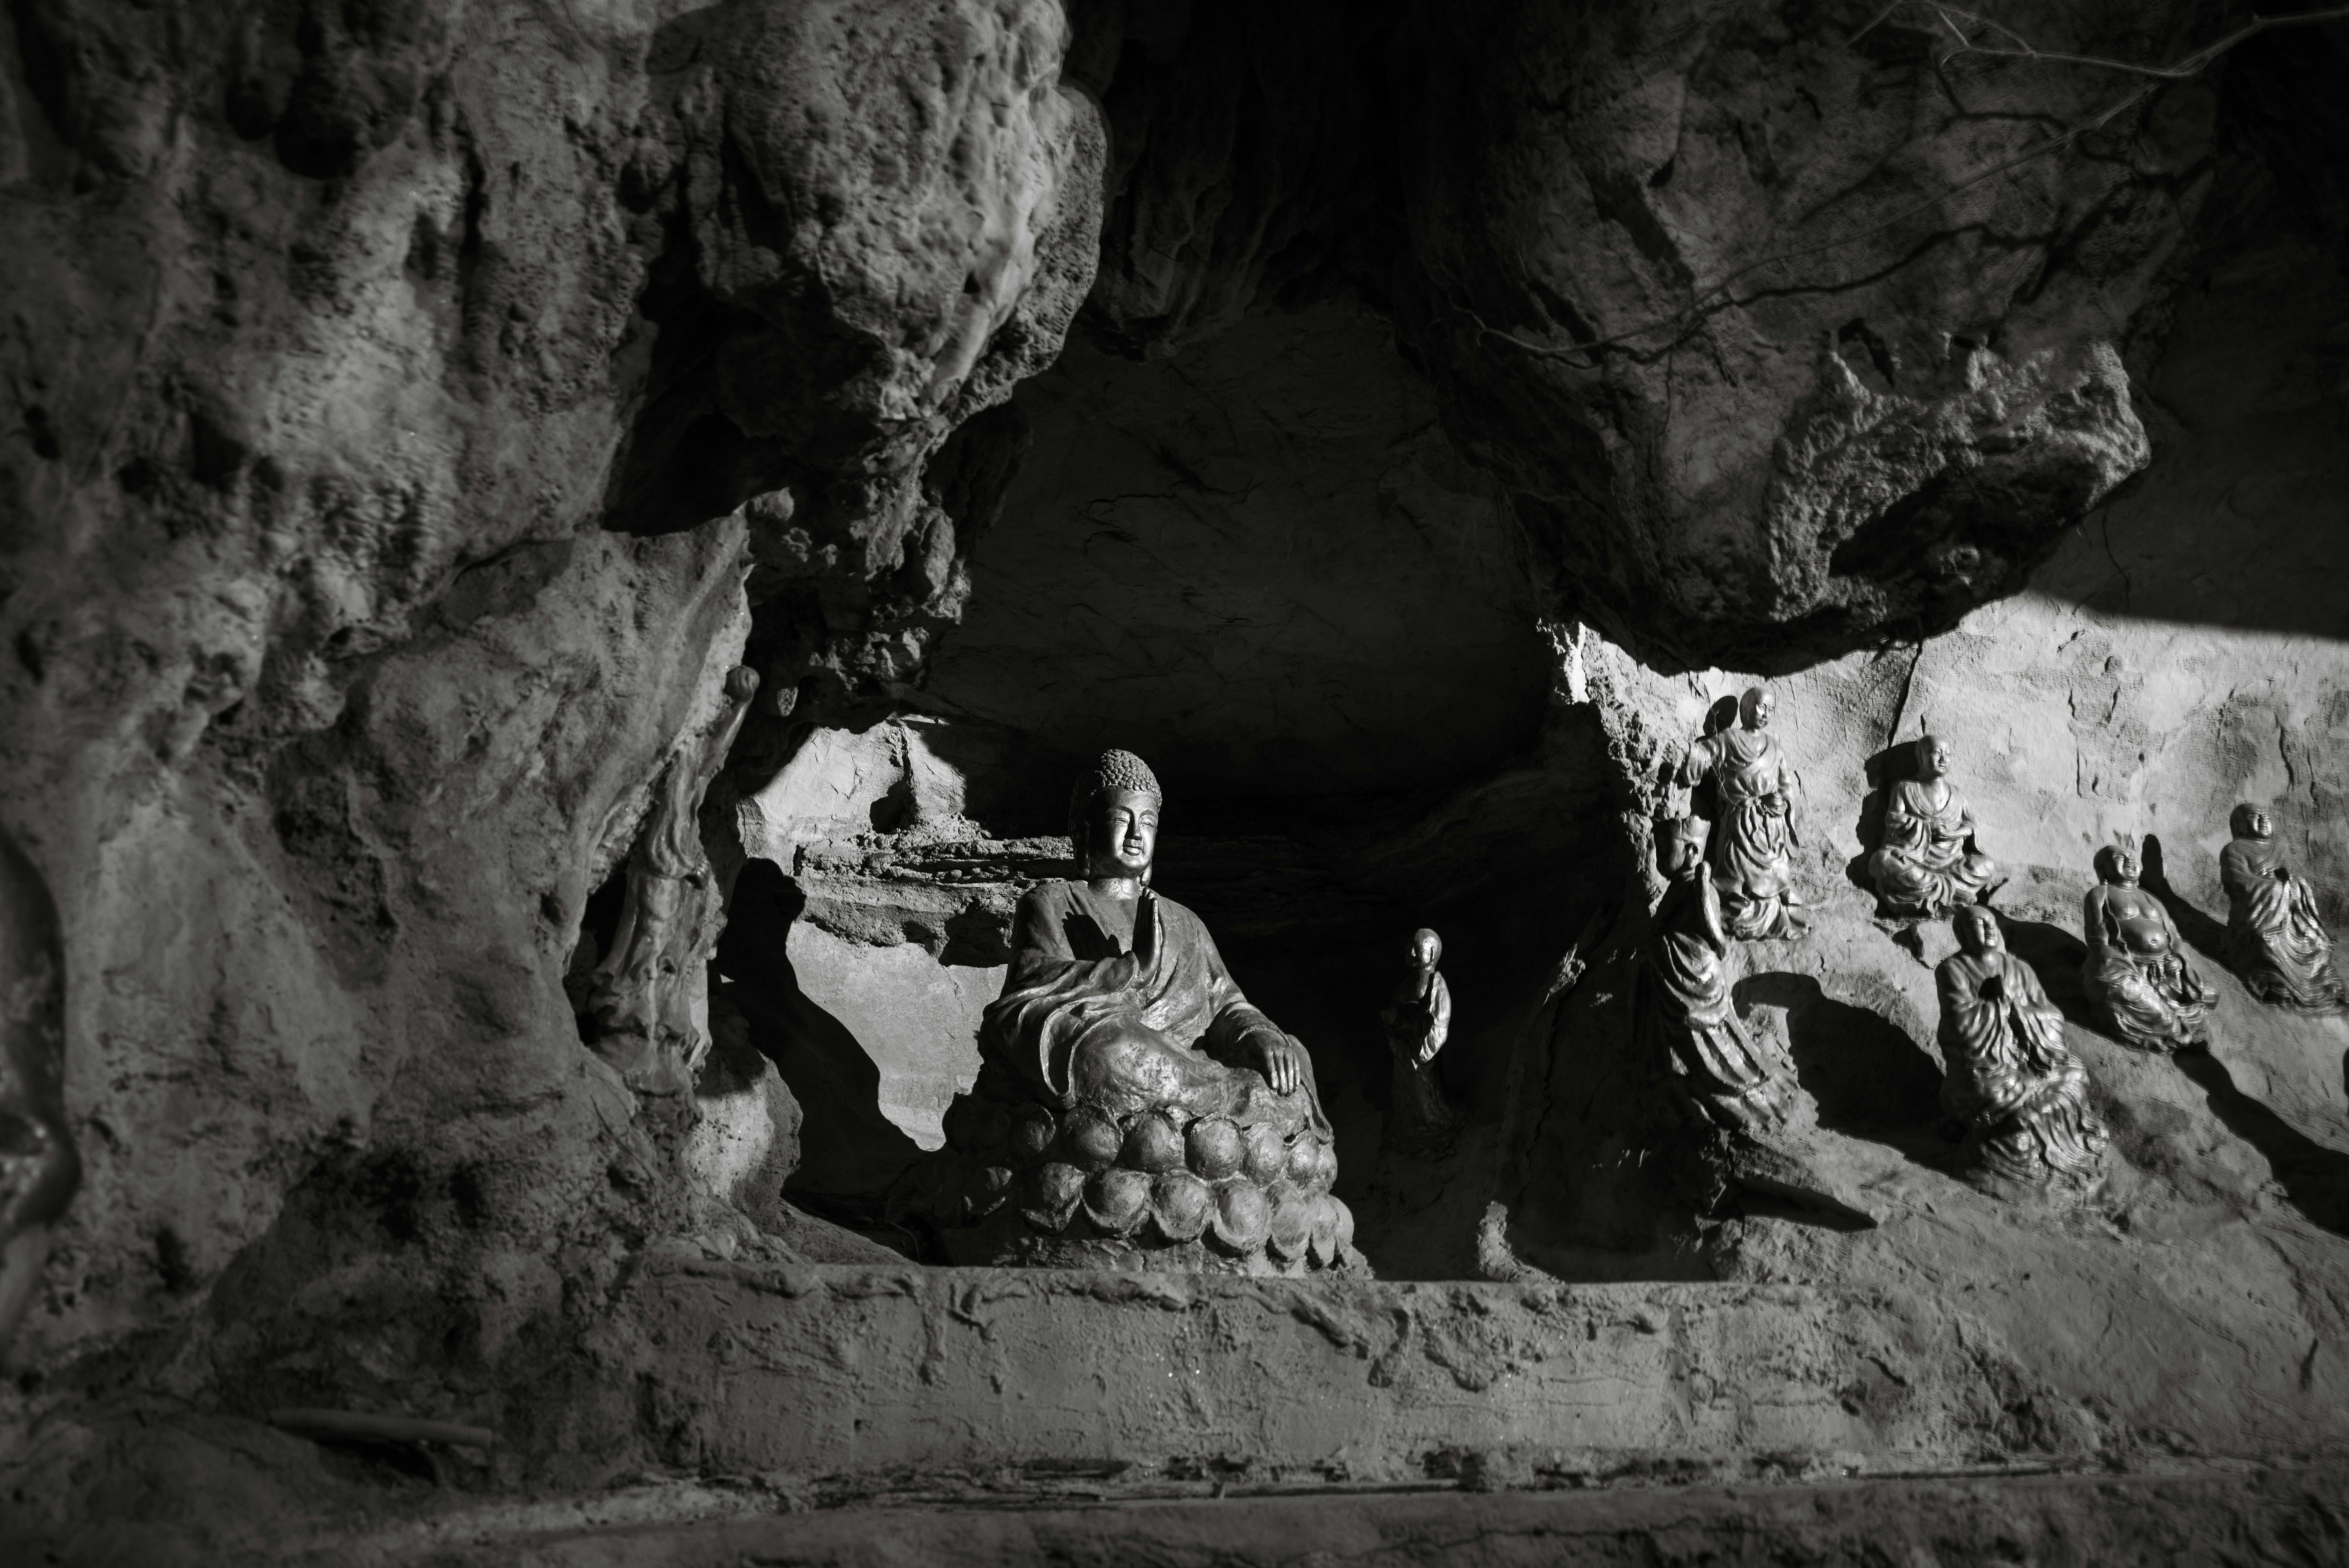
(1768, 327)
(359, 586)
(413, 416)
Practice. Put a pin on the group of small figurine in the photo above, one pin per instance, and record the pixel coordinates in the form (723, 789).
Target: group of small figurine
(1135, 1109)
(2010, 1078)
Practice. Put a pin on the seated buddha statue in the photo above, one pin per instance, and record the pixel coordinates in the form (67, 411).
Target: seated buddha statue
(2275, 940)
(1929, 863)
(1134, 1110)
(2010, 1078)
(2137, 975)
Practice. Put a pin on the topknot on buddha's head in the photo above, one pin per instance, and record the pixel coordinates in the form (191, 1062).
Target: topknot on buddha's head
(1115, 771)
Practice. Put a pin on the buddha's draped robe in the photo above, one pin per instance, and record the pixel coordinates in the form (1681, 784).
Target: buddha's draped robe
(1686, 1014)
(1923, 866)
(2275, 940)
(2136, 974)
(2010, 1076)
(1749, 848)
(1127, 1006)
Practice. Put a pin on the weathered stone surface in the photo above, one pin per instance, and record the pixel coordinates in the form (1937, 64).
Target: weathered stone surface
(1725, 302)
(330, 704)
(1303, 587)
(412, 417)
(2258, 1516)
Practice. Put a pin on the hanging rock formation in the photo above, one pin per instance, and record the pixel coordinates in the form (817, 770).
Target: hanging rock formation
(1402, 423)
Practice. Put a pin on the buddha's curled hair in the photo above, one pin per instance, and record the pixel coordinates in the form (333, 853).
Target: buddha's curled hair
(1115, 771)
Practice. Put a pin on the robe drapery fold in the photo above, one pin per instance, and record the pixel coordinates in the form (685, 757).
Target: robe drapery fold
(2009, 1074)
(1923, 866)
(1128, 1007)
(1683, 1007)
(2275, 939)
(2136, 974)
(1749, 847)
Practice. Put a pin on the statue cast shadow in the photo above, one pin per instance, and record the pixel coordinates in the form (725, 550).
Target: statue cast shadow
(1868, 1078)
(1886, 769)
(2056, 956)
(2315, 1179)
(2202, 934)
(850, 1151)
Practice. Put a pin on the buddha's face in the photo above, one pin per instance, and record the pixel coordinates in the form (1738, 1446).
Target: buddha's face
(2260, 824)
(1122, 834)
(1933, 759)
(1426, 948)
(1978, 931)
(1757, 708)
(2126, 867)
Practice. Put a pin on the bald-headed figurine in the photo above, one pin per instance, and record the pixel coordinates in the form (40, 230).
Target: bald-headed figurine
(2137, 975)
(1418, 1020)
(2011, 1078)
(1752, 833)
(39, 1168)
(2275, 939)
(1929, 863)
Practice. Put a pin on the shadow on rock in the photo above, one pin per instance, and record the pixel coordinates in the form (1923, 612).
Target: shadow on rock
(848, 1147)
(1885, 770)
(1867, 1077)
(2202, 934)
(2316, 1179)
(2055, 955)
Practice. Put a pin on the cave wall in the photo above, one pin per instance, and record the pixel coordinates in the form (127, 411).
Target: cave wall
(417, 416)
(386, 388)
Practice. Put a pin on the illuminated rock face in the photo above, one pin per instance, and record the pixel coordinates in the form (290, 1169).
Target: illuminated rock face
(410, 419)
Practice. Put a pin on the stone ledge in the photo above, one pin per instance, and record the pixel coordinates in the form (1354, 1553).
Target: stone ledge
(848, 1372)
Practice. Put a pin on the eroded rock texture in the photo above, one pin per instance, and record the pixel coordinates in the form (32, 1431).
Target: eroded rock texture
(1401, 424)
(386, 384)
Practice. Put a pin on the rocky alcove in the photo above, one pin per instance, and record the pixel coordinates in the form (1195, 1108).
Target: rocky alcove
(559, 564)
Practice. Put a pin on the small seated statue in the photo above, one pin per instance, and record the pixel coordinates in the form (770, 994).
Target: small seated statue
(2136, 974)
(2275, 940)
(1418, 1021)
(1753, 827)
(2022, 1093)
(1133, 1109)
(1929, 863)
(1681, 1010)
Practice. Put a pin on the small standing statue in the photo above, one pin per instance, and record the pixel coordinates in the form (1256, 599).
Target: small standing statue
(1418, 1021)
(2136, 974)
(39, 1168)
(1752, 831)
(1929, 864)
(2022, 1093)
(2275, 940)
(1682, 1010)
